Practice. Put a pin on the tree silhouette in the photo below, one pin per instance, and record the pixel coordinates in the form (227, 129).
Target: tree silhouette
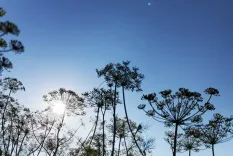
(217, 130)
(8, 28)
(180, 109)
(122, 76)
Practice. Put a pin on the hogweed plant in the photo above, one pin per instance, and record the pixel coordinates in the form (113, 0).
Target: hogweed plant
(217, 130)
(73, 103)
(8, 86)
(190, 143)
(64, 103)
(183, 108)
(185, 142)
(8, 28)
(170, 137)
(121, 75)
(101, 100)
(126, 144)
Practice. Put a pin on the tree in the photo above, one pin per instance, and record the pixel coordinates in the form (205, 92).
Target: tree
(217, 130)
(122, 76)
(16, 46)
(180, 109)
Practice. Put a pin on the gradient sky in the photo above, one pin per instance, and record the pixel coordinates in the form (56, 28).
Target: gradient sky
(176, 43)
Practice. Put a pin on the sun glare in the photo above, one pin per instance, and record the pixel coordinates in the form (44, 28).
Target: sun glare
(59, 107)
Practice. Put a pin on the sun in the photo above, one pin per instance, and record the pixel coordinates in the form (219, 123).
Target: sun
(59, 107)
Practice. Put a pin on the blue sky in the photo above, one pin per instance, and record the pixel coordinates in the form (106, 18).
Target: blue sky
(176, 43)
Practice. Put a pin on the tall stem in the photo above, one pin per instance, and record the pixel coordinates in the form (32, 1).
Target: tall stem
(58, 133)
(126, 148)
(96, 123)
(3, 122)
(4, 51)
(175, 140)
(213, 150)
(103, 147)
(127, 119)
(119, 147)
(20, 147)
(189, 152)
(99, 148)
(114, 121)
(9, 137)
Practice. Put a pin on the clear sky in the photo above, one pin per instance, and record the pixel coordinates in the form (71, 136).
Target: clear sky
(176, 43)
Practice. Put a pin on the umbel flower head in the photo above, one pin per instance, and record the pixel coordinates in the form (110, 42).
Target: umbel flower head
(100, 98)
(12, 84)
(212, 91)
(74, 104)
(2, 12)
(16, 46)
(3, 43)
(122, 75)
(9, 27)
(217, 130)
(183, 107)
(5, 63)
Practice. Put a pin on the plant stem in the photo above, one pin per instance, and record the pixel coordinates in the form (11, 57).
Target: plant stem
(96, 123)
(189, 152)
(175, 140)
(128, 122)
(58, 133)
(114, 121)
(126, 148)
(213, 150)
(119, 147)
(103, 137)
(3, 122)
